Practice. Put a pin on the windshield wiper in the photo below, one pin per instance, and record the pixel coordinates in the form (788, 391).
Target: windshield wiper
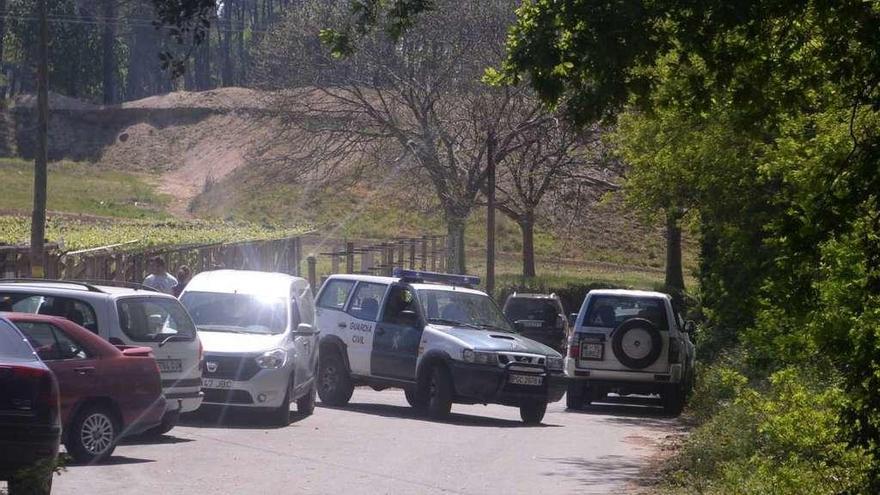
(169, 339)
(219, 328)
(492, 327)
(453, 323)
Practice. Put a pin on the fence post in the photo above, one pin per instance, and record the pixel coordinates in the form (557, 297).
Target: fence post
(297, 256)
(349, 257)
(424, 265)
(412, 254)
(313, 272)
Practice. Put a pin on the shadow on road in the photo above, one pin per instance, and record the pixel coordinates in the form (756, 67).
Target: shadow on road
(606, 470)
(234, 418)
(629, 411)
(390, 411)
(114, 460)
(153, 440)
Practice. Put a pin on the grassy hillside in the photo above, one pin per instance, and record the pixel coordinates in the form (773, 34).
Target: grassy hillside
(81, 188)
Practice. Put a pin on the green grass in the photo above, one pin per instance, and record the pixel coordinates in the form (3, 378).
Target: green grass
(81, 188)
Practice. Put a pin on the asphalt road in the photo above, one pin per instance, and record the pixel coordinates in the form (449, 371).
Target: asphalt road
(378, 445)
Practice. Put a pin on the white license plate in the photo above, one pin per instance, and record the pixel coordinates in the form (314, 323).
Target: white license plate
(532, 323)
(170, 365)
(591, 351)
(216, 383)
(526, 380)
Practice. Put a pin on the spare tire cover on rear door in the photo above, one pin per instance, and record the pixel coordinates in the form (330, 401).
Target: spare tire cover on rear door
(637, 343)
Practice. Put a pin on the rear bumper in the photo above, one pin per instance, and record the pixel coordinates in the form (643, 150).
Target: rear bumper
(671, 375)
(148, 418)
(23, 446)
(490, 384)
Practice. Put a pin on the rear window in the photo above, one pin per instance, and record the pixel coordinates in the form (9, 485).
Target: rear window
(335, 293)
(611, 311)
(13, 345)
(154, 319)
(522, 308)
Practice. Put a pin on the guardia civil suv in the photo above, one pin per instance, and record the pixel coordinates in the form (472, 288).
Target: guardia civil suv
(435, 337)
(629, 342)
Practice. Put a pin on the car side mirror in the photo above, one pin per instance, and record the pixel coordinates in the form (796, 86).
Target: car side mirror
(304, 329)
(572, 318)
(690, 326)
(560, 321)
(408, 318)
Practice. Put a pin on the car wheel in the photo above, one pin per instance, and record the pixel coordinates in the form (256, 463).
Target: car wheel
(532, 412)
(281, 414)
(439, 393)
(334, 383)
(93, 435)
(673, 400)
(169, 421)
(31, 484)
(416, 400)
(305, 405)
(574, 396)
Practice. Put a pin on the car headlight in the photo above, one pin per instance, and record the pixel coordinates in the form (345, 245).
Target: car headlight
(273, 359)
(479, 357)
(555, 363)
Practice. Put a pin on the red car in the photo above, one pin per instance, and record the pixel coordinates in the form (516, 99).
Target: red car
(106, 392)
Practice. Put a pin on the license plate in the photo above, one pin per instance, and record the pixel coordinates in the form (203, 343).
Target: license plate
(526, 380)
(591, 351)
(215, 383)
(532, 323)
(170, 365)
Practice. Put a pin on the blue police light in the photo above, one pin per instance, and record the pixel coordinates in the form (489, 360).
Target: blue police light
(437, 278)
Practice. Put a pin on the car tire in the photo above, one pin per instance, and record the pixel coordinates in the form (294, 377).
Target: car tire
(416, 400)
(619, 343)
(93, 434)
(439, 393)
(38, 484)
(281, 415)
(574, 396)
(169, 421)
(673, 399)
(334, 383)
(532, 412)
(305, 405)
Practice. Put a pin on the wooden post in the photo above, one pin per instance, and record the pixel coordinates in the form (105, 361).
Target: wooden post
(433, 253)
(313, 272)
(334, 262)
(41, 157)
(297, 256)
(349, 257)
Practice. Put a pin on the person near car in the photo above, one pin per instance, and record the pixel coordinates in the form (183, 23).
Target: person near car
(183, 276)
(159, 278)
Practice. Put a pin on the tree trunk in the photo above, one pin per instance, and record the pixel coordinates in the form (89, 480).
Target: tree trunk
(527, 226)
(227, 73)
(38, 218)
(108, 52)
(490, 213)
(455, 260)
(674, 273)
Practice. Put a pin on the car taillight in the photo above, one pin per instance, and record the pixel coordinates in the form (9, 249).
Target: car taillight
(46, 399)
(674, 351)
(574, 349)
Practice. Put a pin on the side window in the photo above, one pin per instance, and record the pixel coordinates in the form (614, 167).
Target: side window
(154, 319)
(365, 301)
(74, 310)
(400, 299)
(335, 294)
(50, 342)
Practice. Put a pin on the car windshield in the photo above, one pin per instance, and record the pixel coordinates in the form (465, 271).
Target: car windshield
(531, 309)
(467, 309)
(13, 345)
(611, 311)
(237, 313)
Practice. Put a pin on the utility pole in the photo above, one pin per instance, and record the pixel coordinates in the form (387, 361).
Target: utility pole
(38, 219)
(490, 213)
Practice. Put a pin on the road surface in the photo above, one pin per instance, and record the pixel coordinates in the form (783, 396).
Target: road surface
(379, 445)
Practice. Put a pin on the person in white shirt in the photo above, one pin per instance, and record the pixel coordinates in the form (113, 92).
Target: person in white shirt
(159, 278)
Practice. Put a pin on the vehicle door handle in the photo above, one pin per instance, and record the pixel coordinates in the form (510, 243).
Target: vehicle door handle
(84, 370)
(342, 325)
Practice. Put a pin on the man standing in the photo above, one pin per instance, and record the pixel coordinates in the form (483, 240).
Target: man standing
(159, 278)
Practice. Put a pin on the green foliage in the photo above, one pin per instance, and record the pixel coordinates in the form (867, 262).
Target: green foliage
(77, 234)
(785, 437)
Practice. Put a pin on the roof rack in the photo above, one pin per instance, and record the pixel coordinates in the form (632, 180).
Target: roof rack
(436, 278)
(117, 283)
(86, 284)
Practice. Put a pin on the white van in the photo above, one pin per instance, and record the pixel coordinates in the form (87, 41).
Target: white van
(124, 314)
(260, 339)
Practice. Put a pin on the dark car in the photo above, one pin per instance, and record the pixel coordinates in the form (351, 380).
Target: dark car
(106, 392)
(538, 317)
(30, 425)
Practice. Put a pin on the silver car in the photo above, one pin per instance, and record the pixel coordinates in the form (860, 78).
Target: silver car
(258, 331)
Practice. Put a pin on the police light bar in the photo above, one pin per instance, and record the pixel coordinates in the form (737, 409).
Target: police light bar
(437, 278)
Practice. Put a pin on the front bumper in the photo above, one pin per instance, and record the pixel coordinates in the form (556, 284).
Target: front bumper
(265, 389)
(490, 384)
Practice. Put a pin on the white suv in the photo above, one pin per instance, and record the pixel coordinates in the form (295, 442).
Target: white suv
(435, 337)
(629, 342)
(124, 314)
